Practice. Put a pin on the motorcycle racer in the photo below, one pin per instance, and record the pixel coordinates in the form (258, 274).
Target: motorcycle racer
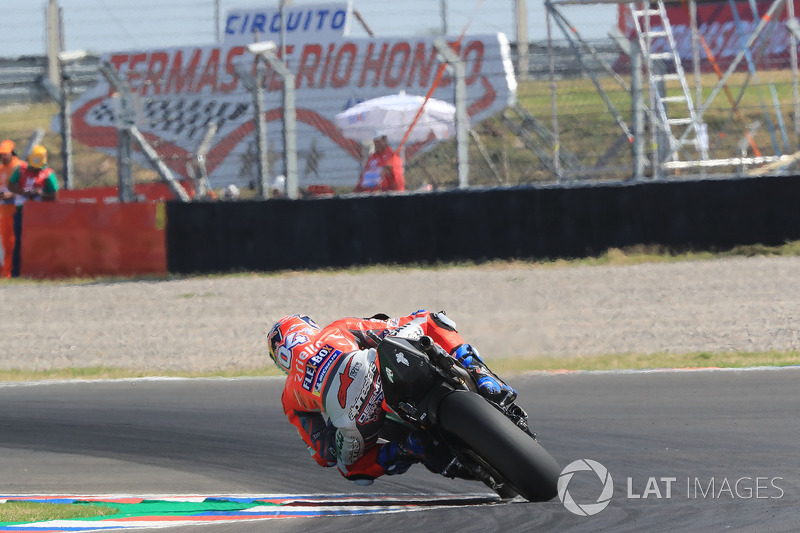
(333, 393)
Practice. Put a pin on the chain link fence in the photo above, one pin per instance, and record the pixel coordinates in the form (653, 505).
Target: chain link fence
(573, 121)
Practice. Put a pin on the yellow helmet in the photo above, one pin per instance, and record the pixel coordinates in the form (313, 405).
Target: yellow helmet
(38, 156)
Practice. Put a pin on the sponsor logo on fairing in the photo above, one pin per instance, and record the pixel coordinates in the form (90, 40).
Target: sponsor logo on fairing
(317, 367)
(324, 372)
(308, 379)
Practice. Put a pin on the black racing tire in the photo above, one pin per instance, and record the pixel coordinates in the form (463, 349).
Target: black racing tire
(516, 457)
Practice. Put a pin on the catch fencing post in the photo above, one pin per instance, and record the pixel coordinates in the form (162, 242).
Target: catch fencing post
(462, 121)
(124, 137)
(637, 111)
(633, 51)
(262, 161)
(64, 59)
(266, 51)
(197, 166)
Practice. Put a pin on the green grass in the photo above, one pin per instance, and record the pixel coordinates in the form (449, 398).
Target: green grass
(646, 361)
(102, 372)
(632, 255)
(506, 367)
(16, 512)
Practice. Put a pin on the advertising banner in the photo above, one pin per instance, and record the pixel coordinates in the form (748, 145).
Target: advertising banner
(725, 31)
(306, 22)
(181, 89)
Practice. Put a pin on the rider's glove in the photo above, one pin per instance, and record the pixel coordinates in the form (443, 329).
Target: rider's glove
(323, 438)
(490, 387)
(467, 355)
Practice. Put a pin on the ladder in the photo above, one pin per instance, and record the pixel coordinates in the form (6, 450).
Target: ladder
(671, 115)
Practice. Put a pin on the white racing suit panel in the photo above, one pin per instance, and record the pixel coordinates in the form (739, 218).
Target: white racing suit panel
(353, 401)
(412, 330)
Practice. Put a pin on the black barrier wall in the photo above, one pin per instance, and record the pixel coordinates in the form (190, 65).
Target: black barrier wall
(520, 222)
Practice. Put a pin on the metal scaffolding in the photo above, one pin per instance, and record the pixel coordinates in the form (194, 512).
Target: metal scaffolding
(678, 134)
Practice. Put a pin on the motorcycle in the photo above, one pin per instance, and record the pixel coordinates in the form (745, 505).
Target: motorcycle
(465, 435)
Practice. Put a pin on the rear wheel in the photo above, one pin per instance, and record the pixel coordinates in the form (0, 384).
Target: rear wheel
(506, 492)
(512, 454)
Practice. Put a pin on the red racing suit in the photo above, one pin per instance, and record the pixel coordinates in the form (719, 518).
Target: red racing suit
(382, 172)
(333, 395)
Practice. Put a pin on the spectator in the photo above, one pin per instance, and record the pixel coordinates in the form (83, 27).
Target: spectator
(384, 169)
(36, 182)
(9, 162)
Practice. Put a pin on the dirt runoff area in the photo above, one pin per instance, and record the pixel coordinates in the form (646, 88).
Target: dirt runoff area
(205, 324)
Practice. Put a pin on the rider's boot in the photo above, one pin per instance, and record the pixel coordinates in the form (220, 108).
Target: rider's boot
(489, 384)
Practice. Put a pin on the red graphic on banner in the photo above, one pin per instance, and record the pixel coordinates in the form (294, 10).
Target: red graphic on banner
(724, 31)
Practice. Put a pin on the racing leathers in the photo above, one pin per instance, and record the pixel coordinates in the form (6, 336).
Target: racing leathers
(333, 393)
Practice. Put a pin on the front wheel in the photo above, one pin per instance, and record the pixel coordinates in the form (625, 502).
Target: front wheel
(517, 458)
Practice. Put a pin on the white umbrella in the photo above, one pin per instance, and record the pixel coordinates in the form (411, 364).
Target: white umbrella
(392, 115)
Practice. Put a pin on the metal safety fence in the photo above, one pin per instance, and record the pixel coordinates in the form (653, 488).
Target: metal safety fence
(589, 111)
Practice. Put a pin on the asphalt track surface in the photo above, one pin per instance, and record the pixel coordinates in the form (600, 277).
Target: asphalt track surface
(735, 429)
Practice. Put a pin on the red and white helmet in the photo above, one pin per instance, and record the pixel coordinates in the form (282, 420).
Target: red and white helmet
(290, 333)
